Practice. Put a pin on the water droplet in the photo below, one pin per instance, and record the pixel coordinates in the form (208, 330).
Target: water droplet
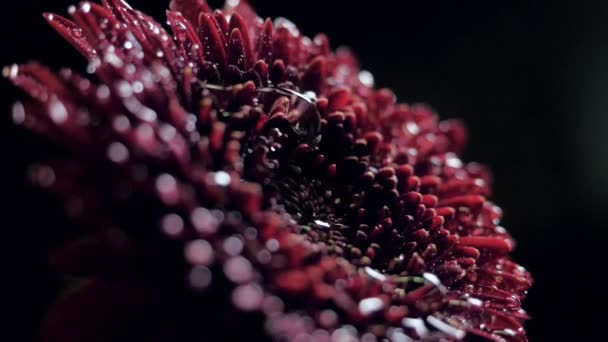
(328, 318)
(10, 72)
(506, 332)
(172, 225)
(321, 224)
(76, 32)
(85, 7)
(166, 185)
(199, 252)
(474, 301)
(43, 175)
(233, 245)
(369, 337)
(200, 277)
(375, 274)
(366, 78)
(121, 124)
(264, 256)
(247, 297)
(370, 305)
(117, 152)
(167, 132)
(445, 328)
(398, 336)
(417, 324)
(221, 178)
(343, 334)
(18, 113)
(453, 161)
(272, 245)
(103, 92)
(138, 87)
(58, 112)
(251, 233)
(124, 89)
(238, 269)
(412, 127)
(288, 24)
(144, 132)
(203, 221)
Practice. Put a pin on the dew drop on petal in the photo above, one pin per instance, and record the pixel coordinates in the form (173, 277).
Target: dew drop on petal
(238, 269)
(233, 245)
(117, 152)
(366, 78)
(445, 328)
(368, 306)
(272, 245)
(247, 297)
(412, 127)
(121, 124)
(199, 252)
(18, 113)
(200, 277)
(203, 221)
(221, 178)
(172, 225)
(321, 224)
(43, 175)
(58, 112)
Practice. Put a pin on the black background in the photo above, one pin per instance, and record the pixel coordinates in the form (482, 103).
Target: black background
(530, 80)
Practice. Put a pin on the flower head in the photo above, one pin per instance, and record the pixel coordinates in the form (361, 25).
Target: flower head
(233, 169)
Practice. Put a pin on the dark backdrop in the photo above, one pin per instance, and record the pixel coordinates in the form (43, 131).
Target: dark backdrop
(529, 80)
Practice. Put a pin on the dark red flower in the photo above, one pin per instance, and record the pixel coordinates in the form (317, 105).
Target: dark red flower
(297, 201)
